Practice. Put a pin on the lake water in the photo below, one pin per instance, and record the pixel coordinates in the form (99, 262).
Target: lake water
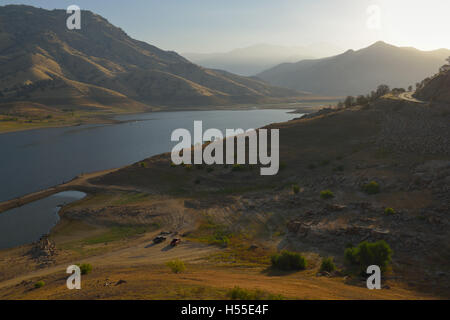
(28, 223)
(34, 160)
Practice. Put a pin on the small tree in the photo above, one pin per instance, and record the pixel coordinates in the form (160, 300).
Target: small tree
(349, 101)
(366, 254)
(382, 90)
(362, 100)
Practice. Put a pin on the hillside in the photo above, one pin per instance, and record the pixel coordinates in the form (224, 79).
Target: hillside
(100, 67)
(436, 89)
(357, 72)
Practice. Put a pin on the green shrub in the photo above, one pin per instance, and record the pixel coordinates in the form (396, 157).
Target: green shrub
(220, 238)
(288, 261)
(173, 165)
(326, 194)
(389, 211)
(237, 167)
(39, 284)
(295, 188)
(177, 266)
(327, 265)
(371, 188)
(85, 268)
(367, 253)
(142, 165)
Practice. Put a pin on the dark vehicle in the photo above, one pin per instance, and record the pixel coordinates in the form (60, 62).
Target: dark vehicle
(175, 242)
(159, 240)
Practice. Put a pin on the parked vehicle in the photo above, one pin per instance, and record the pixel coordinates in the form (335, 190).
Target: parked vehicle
(159, 239)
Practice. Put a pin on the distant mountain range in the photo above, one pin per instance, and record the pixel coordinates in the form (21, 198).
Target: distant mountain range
(100, 66)
(358, 72)
(251, 60)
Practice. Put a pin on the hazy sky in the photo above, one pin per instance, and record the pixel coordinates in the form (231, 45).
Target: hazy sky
(222, 25)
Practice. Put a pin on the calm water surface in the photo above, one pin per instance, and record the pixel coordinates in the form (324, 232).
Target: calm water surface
(28, 223)
(34, 160)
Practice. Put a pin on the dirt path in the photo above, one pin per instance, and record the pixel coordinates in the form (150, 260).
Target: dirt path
(142, 253)
(408, 97)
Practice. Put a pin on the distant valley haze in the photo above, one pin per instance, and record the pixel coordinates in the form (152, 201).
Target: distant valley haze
(254, 59)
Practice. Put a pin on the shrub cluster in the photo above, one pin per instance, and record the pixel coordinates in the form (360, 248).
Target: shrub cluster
(39, 284)
(366, 254)
(85, 268)
(177, 266)
(371, 188)
(288, 261)
(295, 188)
(326, 194)
(327, 265)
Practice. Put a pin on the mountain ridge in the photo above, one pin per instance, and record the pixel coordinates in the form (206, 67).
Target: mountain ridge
(101, 67)
(358, 72)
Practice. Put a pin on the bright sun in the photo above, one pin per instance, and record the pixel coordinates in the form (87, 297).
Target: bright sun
(418, 23)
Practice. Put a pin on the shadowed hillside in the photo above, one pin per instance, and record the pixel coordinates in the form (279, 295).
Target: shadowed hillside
(436, 89)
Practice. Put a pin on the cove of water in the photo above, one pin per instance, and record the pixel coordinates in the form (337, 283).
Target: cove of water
(28, 223)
